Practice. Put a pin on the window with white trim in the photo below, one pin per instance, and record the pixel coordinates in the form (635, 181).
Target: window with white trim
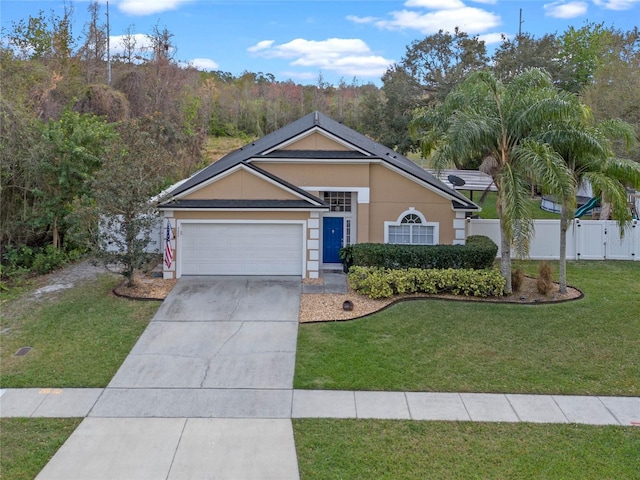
(338, 201)
(411, 228)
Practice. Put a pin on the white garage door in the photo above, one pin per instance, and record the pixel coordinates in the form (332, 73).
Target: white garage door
(241, 249)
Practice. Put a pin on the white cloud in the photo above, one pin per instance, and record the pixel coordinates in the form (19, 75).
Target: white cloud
(356, 19)
(468, 19)
(263, 45)
(616, 4)
(491, 38)
(344, 56)
(565, 10)
(435, 4)
(116, 47)
(149, 7)
(204, 64)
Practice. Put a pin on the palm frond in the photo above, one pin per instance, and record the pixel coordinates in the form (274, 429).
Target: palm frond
(616, 129)
(626, 171)
(612, 192)
(546, 167)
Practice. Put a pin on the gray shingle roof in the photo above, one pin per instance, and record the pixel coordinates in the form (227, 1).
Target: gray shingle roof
(240, 204)
(304, 124)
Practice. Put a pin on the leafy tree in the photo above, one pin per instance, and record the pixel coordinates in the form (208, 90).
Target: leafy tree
(514, 56)
(581, 53)
(44, 38)
(402, 96)
(429, 70)
(76, 144)
(485, 118)
(586, 150)
(32, 37)
(441, 61)
(134, 170)
(19, 145)
(614, 92)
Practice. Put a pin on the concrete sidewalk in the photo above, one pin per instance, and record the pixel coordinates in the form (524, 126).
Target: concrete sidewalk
(284, 404)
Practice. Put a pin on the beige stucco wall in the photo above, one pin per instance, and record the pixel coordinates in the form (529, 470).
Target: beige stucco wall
(320, 175)
(315, 141)
(391, 194)
(241, 185)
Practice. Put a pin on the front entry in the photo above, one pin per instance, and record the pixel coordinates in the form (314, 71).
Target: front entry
(332, 236)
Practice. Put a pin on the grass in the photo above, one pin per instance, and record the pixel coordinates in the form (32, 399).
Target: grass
(29, 443)
(338, 449)
(586, 347)
(217, 147)
(78, 340)
(489, 207)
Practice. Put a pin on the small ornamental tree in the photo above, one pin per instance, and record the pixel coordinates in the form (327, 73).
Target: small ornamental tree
(133, 171)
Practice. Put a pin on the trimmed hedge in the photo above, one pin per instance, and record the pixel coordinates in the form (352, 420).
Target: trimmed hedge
(478, 253)
(376, 282)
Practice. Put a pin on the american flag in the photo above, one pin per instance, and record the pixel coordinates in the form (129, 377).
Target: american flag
(168, 252)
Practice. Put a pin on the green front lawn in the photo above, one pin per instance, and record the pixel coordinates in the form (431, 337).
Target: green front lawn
(341, 449)
(584, 347)
(77, 340)
(29, 443)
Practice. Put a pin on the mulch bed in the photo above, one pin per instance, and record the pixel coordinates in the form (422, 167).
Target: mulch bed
(326, 307)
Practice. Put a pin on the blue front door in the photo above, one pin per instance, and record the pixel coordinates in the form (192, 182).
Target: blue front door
(331, 239)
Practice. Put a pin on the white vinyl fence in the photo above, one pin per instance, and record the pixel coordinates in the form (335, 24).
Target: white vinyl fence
(586, 239)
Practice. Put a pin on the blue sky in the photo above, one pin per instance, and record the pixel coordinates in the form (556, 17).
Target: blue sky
(339, 39)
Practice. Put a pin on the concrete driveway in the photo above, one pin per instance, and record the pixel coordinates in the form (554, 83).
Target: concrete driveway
(206, 392)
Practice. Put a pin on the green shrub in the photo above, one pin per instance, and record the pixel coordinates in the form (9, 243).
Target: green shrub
(48, 259)
(372, 282)
(478, 253)
(376, 282)
(22, 260)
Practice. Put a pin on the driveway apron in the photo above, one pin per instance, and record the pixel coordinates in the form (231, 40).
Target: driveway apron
(206, 392)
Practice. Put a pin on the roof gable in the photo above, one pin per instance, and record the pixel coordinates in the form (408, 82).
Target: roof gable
(317, 140)
(241, 183)
(320, 130)
(246, 182)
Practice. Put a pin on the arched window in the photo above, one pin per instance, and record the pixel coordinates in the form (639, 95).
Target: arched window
(411, 228)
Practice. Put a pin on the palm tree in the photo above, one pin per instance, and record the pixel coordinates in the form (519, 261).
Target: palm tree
(484, 118)
(587, 152)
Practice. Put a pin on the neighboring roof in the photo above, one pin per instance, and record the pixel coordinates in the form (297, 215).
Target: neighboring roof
(243, 204)
(317, 120)
(473, 179)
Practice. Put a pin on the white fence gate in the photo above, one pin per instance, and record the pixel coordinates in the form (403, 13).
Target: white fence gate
(586, 239)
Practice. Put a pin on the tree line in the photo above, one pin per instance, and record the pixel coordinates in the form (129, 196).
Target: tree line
(67, 117)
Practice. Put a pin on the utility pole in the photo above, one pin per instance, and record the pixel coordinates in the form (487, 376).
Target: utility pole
(520, 25)
(108, 48)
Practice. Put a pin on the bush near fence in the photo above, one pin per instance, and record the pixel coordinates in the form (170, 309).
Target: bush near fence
(478, 253)
(376, 282)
